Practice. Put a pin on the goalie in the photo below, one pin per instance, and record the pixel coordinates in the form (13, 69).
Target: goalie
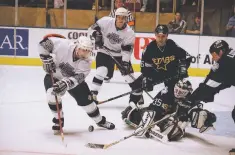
(173, 128)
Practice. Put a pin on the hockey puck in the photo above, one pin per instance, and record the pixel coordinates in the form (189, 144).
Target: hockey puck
(91, 128)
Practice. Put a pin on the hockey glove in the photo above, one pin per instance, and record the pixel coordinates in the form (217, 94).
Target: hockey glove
(48, 63)
(94, 96)
(183, 71)
(147, 83)
(98, 38)
(60, 87)
(126, 68)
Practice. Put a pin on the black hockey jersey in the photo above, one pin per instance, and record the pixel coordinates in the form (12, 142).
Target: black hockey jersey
(221, 76)
(159, 63)
(163, 102)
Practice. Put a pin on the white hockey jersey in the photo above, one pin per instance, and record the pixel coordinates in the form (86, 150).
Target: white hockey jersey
(62, 51)
(114, 39)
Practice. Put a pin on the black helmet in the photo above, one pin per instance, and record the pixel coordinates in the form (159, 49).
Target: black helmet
(161, 29)
(219, 45)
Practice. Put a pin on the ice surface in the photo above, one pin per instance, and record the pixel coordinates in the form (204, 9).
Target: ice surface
(25, 121)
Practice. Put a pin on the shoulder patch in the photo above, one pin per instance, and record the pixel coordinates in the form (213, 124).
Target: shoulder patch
(215, 66)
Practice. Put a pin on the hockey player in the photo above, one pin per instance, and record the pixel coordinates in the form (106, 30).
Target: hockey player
(220, 77)
(116, 38)
(162, 59)
(163, 105)
(69, 68)
(130, 22)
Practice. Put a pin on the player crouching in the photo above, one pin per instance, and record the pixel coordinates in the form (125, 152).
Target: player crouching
(173, 128)
(66, 71)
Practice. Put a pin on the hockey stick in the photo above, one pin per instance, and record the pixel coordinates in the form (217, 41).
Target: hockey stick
(116, 97)
(121, 67)
(105, 146)
(58, 111)
(130, 92)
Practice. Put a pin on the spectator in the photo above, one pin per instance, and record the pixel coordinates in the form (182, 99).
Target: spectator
(165, 5)
(230, 28)
(133, 5)
(99, 5)
(195, 28)
(58, 3)
(143, 8)
(177, 25)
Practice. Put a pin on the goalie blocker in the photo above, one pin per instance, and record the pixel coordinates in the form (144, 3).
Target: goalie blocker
(173, 128)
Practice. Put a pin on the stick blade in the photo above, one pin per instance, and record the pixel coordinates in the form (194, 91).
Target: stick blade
(95, 146)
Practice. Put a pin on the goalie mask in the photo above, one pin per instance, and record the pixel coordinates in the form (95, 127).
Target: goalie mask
(182, 88)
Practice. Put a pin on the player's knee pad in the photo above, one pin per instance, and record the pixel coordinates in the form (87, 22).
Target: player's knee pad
(101, 72)
(147, 119)
(52, 103)
(51, 97)
(202, 119)
(233, 114)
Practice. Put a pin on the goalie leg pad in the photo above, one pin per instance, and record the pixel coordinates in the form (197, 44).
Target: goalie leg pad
(173, 131)
(155, 132)
(147, 120)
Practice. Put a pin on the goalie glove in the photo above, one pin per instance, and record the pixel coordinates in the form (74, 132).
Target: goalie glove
(202, 119)
(48, 63)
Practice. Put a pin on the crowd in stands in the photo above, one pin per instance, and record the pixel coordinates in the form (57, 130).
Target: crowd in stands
(178, 25)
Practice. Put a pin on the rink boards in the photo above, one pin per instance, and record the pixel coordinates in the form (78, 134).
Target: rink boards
(22, 49)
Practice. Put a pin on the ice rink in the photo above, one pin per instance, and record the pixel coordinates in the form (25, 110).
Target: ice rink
(25, 121)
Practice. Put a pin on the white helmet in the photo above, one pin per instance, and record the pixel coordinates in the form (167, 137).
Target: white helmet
(84, 43)
(121, 12)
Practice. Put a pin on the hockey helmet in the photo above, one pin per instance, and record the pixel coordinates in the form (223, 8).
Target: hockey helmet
(84, 43)
(219, 45)
(121, 12)
(182, 88)
(161, 29)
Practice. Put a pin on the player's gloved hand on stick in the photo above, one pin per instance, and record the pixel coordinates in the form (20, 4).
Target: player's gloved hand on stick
(98, 38)
(147, 83)
(94, 96)
(48, 63)
(183, 71)
(60, 87)
(126, 68)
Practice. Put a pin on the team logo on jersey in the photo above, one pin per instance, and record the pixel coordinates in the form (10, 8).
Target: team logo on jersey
(114, 38)
(161, 63)
(66, 69)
